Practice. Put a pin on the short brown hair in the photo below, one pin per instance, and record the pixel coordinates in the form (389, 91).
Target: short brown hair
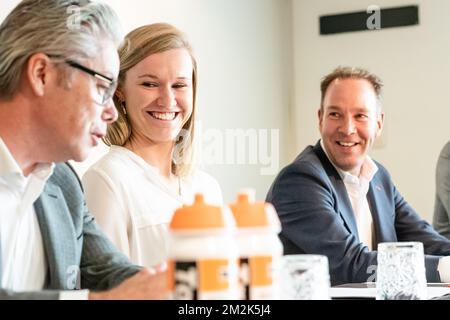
(351, 73)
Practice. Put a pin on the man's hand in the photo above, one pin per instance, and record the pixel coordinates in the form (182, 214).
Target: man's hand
(146, 284)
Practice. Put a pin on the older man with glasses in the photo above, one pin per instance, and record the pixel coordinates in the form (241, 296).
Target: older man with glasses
(106, 90)
(56, 84)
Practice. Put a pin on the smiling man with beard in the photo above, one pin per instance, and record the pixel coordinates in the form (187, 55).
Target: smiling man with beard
(336, 201)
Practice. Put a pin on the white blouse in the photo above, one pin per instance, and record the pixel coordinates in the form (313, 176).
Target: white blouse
(133, 204)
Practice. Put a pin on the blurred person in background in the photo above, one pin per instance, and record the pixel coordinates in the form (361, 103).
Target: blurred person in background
(441, 217)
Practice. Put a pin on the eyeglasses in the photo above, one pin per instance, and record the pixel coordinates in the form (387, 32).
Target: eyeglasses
(108, 91)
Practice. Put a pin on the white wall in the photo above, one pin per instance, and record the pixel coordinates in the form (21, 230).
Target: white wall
(414, 63)
(6, 6)
(243, 57)
(242, 48)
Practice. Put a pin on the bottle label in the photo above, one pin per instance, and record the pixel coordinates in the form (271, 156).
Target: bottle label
(256, 278)
(202, 279)
(244, 279)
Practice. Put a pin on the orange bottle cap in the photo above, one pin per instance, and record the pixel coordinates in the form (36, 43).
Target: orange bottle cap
(251, 214)
(201, 215)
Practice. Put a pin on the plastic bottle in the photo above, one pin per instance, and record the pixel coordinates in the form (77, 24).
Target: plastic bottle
(260, 249)
(203, 253)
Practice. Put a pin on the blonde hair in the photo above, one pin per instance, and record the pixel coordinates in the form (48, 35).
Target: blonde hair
(139, 44)
(71, 29)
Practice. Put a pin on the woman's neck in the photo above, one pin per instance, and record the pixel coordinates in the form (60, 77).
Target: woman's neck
(158, 155)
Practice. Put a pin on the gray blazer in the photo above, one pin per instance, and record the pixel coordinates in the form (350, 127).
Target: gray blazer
(441, 217)
(317, 218)
(78, 254)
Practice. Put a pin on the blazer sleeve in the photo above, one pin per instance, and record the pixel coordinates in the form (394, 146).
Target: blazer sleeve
(441, 218)
(102, 265)
(311, 223)
(409, 226)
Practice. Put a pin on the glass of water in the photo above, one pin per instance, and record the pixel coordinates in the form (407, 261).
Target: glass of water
(401, 271)
(304, 277)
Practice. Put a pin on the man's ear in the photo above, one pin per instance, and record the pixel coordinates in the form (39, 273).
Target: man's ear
(37, 73)
(320, 116)
(380, 123)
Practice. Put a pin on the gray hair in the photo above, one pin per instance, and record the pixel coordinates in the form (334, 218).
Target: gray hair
(70, 29)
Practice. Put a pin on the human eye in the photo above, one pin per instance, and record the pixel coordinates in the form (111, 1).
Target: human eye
(149, 84)
(362, 116)
(333, 115)
(101, 88)
(179, 85)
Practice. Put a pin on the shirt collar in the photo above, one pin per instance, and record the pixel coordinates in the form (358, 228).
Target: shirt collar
(12, 173)
(8, 165)
(368, 169)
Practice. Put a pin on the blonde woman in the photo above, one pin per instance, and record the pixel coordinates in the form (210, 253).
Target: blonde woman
(148, 173)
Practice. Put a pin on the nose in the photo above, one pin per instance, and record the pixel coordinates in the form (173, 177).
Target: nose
(166, 98)
(109, 114)
(347, 126)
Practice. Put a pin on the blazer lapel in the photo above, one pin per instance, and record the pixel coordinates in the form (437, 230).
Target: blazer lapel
(344, 204)
(58, 235)
(383, 227)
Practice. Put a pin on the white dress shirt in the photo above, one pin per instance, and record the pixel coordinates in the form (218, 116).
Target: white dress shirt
(133, 204)
(24, 264)
(357, 188)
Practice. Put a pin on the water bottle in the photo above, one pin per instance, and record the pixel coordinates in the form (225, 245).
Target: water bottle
(203, 253)
(260, 249)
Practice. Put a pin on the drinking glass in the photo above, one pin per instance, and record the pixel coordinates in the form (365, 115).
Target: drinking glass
(401, 271)
(304, 277)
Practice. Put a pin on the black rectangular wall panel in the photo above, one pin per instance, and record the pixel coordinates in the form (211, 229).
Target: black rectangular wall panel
(357, 21)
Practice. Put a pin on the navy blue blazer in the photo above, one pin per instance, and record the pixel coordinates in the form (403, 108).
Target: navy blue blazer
(317, 218)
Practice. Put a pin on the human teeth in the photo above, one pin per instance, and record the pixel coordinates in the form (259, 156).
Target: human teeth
(163, 115)
(347, 144)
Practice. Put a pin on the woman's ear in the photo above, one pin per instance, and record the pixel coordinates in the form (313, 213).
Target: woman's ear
(119, 94)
